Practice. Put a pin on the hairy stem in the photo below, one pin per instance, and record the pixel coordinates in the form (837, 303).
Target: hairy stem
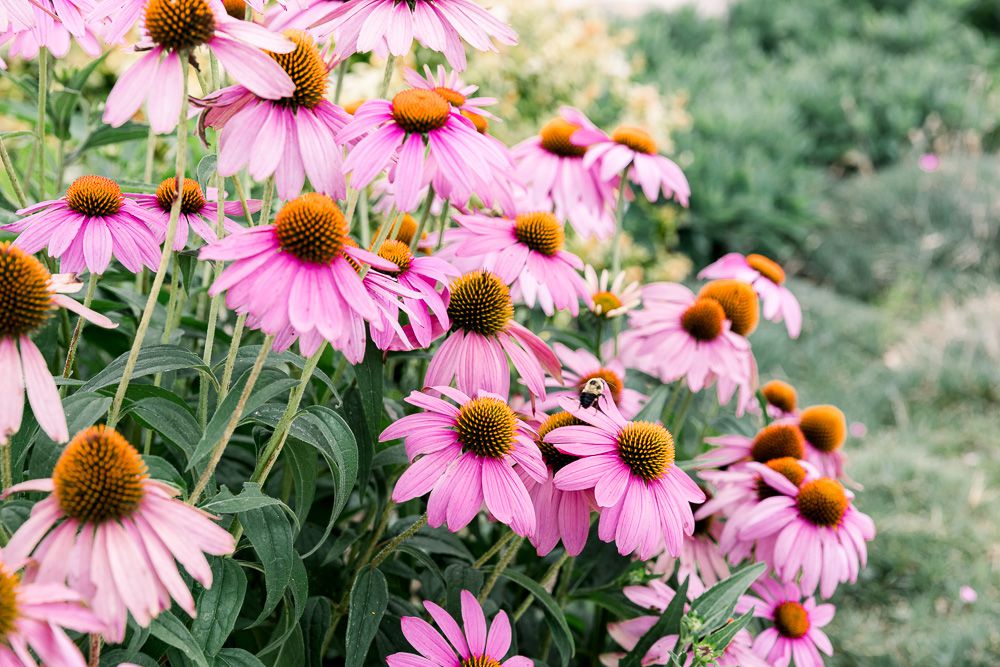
(43, 94)
(505, 560)
(15, 182)
(88, 298)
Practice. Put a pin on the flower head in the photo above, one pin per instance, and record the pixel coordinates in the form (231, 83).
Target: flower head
(580, 366)
(526, 252)
(457, 92)
(112, 533)
(824, 428)
(297, 272)
(465, 456)
(816, 531)
(389, 26)
(778, 439)
(31, 26)
(431, 142)
(28, 297)
(644, 497)
(172, 28)
(738, 301)
(768, 280)
(611, 298)
(633, 148)
(468, 646)
(483, 334)
(88, 227)
(199, 211)
(795, 625)
(301, 126)
(782, 399)
(677, 335)
(34, 617)
(552, 165)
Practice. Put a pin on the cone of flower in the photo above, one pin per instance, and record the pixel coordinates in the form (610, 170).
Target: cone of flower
(469, 644)
(776, 440)
(88, 227)
(611, 298)
(768, 280)
(782, 399)
(112, 533)
(301, 127)
(824, 428)
(465, 456)
(483, 334)
(28, 296)
(198, 213)
(645, 499)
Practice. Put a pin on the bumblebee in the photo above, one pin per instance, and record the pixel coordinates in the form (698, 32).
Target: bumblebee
(591, 392)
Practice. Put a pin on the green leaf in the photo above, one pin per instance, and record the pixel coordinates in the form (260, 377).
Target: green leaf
(219, 606)
(267, 387)
(315, 621)
(716, 605)
(295, 605)
(303, 462)
(174, 422)
(722, 637)
(237, 657)
(169, 630)
(206, 170)
(653, 409)
(292, 652)
(270, 532)
(63, 104)
(669, 623)
(117, 656)
(250, 498)
(368, 375)
(106, 135)
(553, 614)
(152, 360)
(369, 598)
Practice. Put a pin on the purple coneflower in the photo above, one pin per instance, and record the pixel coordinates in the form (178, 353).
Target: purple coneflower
(768, 280)
(795, 625)
(580, 366)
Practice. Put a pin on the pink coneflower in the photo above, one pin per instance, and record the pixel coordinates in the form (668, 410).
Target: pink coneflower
(782, 399)
(824, 428)
(645, 498)
(428, 278)
(465, 456)
(560, 515)
(431, 141)
(768, 280)
(28, 295)
(52, 25)
(300, 127)
(816, 530)
(33, 617)
(552, 167)
(677, 335)
(175, 27)
(198, 211)
(611, 298)
(297, 272)
(93, 224)
(527, 253)
(471, 645)
(483, 334)
(776, 440)
(112, 533)
(392, 25)
(451, 87)
(795, 622)
(580, 366)
(656, 597)
(635, 149)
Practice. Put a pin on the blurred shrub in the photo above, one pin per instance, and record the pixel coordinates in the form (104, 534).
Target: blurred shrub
(786, 96)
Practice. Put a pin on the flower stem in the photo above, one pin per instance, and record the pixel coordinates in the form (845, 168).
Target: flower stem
(494, 550)
(620, 210)
(95, 650)
(424, 216)
(364, 224)
(88, 298)
(265, 205)
(216, 304)
(682, 413)
(6, 467)
(339, 89)
(43, 94)
(546, 579)
(234, 348)
(505, 560)
(242, 196)
(443, 224)
(168, 243)
(220, 446)
(394, 543)
(390, 64)
(147, 172)
(15, 182)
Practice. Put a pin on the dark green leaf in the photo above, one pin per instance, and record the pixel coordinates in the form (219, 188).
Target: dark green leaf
(106, 135)
(653, 410)
(152, 360)
(669, 623)
(270, 532)
(302, 460)
(368, 375)
(219, 606)
(716, 604)
(237, 657)
(250, 498)
(169, 630)
(295, 605)
(206, 170)
(174, 422)
(721, 638)
(315, 621)
(553, 614)
(292, 652)
(369, 598)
